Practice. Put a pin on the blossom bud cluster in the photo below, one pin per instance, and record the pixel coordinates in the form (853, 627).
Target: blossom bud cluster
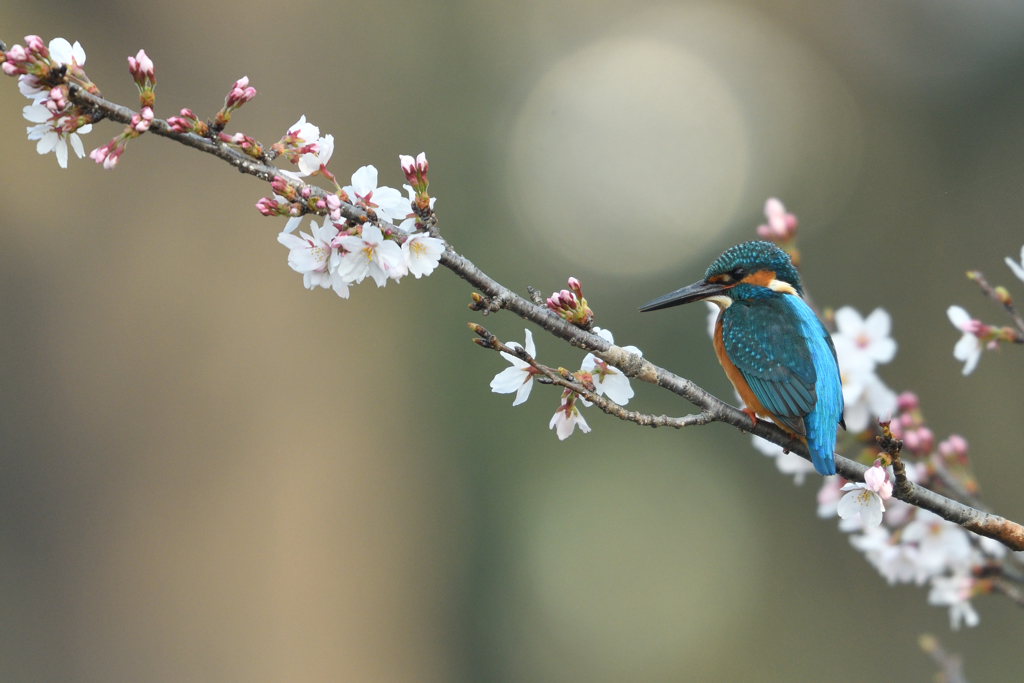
(144, 74)
(415, 171)
(594, 374)
(44, 72)
(240, 93)
(781, 225)
(570, 305)
(188, 123)
(245, 143)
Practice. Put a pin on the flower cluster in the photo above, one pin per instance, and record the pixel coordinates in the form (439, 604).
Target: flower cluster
(907, 544)
(44, 72)
(861, 345)
(594, 374)
(240, 93)
(338, 254)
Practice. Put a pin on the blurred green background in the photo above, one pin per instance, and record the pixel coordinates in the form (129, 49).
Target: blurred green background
(209, 473)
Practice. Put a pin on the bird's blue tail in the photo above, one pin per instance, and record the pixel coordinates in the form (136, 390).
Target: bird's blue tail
(821, 458)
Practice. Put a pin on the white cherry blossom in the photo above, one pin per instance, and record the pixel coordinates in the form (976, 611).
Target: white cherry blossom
(50, 134)
(865, 395)
(566, 418)
(63, 52)
(943, 545)
(608, 380)
(955, 591)
(385, 200)
(865, 499)
(369, 254)
(866, 336)
(306, 132)
(968, 349)
(421, 251)
(311, 162)
(519, 377)
(313, 256)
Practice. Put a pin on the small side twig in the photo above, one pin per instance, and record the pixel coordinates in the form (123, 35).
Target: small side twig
(1002, 297)
(951, 667)
(563, 378)
(892, 447)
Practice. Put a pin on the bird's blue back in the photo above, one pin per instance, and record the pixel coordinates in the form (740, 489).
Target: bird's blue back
(828, 410)
(786, 357)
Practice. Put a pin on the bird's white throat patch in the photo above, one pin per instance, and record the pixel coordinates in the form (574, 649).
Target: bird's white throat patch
(780, 286)
(722, 301)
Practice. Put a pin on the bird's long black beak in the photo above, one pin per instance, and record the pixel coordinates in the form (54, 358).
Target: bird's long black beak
(695, 292)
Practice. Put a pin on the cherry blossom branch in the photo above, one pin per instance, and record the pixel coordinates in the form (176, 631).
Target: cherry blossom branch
(500, 297)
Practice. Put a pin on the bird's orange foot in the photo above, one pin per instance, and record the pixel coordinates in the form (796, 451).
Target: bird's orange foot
(753, 416)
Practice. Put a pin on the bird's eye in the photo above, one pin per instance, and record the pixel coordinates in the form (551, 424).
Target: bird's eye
(739, 273)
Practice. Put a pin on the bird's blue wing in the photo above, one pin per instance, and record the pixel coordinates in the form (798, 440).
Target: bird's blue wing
(767, 344)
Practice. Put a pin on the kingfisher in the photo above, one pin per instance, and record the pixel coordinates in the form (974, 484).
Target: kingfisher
(771, 345)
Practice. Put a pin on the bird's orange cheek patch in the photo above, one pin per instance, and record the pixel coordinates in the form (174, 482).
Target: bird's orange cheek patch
(761, 277)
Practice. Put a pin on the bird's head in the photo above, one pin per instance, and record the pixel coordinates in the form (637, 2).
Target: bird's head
(747, 271)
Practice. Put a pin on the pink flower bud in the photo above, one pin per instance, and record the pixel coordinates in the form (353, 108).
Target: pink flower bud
(17, 54)
(144, 64)
(575, 287)
(333, 202)
(306, 192)
(958, 444)
(178, 124)
(267, 206)
(187, 113)
(35, 44)
(906, 401)
(99, 154)
(111, 161)
(876, 478)
(421, 163)
(9, 69)
(279, 185)
(906, 420)
(927, 439)
(912, 441)
(408, 164)
(896, 430)
(241, 83)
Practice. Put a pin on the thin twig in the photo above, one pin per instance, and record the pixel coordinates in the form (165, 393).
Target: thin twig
(951, 666)
(1001, 297)
(892, 447)
(605, 404)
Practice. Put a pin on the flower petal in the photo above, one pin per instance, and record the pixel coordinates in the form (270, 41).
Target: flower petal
(958, 316)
